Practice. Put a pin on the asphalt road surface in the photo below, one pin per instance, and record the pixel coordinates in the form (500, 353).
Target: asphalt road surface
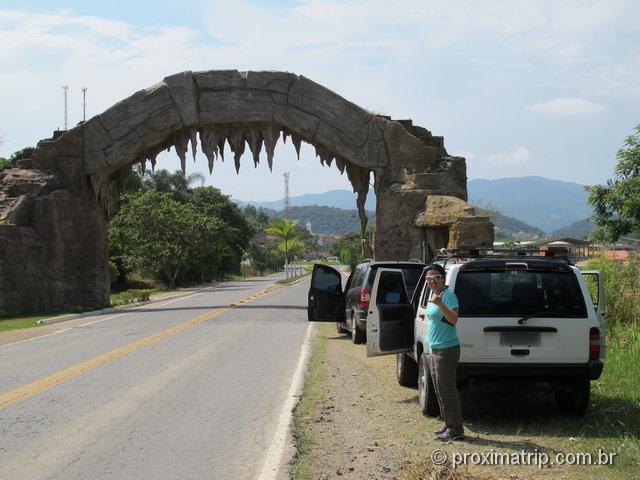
(193, 388)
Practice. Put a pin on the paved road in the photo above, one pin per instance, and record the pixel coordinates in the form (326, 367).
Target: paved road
(190, 388)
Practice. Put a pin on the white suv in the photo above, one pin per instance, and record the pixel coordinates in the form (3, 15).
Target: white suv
(524, 322)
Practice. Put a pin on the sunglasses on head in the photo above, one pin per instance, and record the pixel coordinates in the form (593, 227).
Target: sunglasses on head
(433, 277)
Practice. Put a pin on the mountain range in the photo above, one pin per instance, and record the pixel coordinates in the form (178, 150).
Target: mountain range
(544, 204)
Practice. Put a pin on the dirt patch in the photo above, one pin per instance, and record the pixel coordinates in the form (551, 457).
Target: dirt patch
(366, 426)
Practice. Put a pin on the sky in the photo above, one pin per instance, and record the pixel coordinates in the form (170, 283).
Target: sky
(539, 87)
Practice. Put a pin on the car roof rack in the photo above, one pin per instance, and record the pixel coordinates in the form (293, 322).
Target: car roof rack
(444, 256)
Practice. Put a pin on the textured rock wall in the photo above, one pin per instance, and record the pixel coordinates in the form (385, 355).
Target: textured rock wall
(52, 232)
(52, 236)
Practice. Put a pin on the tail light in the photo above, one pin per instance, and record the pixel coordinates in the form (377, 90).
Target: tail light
(594, 344)
(364, 297)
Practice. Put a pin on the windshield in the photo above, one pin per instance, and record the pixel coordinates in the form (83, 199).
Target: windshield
(519, 293)
(411, 275)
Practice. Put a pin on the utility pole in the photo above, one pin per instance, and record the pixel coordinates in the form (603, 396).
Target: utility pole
(286, 195)
(65, 89)
(84, 104)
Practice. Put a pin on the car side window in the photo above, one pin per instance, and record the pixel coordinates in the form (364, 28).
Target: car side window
(326, 280)
(392, 289)
(357, 278)
(347, 285)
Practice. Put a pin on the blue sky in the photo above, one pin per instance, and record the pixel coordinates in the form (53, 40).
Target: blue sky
(547, 87)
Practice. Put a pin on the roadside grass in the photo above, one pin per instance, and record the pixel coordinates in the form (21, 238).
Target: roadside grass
(290, 280)
(306, 410)
(23, 321)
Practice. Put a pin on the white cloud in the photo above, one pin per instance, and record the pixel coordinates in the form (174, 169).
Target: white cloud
(468, 156)
(517, 156)
(460, 69)
(568, 107)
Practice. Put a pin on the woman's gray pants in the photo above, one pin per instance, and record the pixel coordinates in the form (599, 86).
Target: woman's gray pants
(443, 367)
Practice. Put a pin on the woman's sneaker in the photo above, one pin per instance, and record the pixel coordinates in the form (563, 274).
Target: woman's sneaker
(441, 429)
(446, 436)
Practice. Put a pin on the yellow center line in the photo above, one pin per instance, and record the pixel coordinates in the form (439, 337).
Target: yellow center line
(45, 383)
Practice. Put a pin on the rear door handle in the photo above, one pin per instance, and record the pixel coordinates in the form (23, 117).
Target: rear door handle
(520, 352)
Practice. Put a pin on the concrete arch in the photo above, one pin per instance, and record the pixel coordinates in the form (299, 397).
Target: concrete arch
(52, 207)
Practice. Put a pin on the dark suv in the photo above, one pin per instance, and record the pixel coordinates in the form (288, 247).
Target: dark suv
(353, 302)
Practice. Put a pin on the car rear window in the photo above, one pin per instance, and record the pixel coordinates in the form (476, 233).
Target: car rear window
(411, 274)
(519, 293)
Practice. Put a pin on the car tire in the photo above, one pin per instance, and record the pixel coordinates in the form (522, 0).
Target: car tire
(310, 313)
(340, 328)
(573, 397)
(357, 335)
(426, 391)
(406, 370)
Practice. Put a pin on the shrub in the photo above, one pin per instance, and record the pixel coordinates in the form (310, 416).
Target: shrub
(621, 284)
(113, 272)
(132, 296)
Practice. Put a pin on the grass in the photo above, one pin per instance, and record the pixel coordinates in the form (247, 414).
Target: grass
(290, 280)
(23, 321)
(305, 412)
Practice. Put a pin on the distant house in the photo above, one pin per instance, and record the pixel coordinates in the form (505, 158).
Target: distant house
(574, 248)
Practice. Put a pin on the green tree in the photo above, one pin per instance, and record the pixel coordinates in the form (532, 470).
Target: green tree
(286, 230)
(348, 249)
(258, 216)
(265, 257)
(616, 205)
(238, 229)
(179, 185)
(295, 248)
(15, 156)
(160, 236)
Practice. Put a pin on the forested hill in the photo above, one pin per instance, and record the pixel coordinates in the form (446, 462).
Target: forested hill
(330, 220)
(545, 203)
(579, 229)
(323, 219)
(508, 228)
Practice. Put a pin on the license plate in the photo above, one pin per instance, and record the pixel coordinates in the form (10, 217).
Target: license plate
(520, 339)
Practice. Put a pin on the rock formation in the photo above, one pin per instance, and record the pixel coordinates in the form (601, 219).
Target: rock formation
(54, 204)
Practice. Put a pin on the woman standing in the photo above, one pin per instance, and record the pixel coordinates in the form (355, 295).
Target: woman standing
(442, 311)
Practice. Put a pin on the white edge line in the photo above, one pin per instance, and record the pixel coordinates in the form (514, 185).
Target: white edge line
(273, 460)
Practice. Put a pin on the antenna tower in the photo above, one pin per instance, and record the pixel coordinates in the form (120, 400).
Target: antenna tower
(286, 195)
(84, 104)
(65, 89)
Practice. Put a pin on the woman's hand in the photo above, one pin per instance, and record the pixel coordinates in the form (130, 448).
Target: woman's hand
(437, 299)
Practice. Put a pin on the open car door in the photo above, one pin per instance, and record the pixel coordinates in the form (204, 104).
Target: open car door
(391, 315)
(326, 298)
(595, 283)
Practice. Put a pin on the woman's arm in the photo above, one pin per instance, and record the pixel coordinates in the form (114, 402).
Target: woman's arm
(450, 314)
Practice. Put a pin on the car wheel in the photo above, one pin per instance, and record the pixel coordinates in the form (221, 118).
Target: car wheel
(340, 328)
(357, 335)
(426, 392)
(406, 370)
(310, 313)
(573, 397)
